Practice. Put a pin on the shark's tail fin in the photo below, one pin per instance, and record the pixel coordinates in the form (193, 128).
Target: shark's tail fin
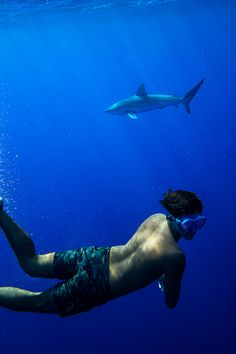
(189, 96)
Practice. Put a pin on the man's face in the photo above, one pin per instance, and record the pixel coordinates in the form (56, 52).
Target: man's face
(189, 236)
(190, 224)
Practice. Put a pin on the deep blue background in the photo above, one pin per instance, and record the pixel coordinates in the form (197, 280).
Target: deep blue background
(74, 176)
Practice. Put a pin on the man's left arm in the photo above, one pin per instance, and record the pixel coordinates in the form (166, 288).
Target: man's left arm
(171, 283)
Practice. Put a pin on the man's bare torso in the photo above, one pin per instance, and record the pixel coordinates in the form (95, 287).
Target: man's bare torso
(144, 258)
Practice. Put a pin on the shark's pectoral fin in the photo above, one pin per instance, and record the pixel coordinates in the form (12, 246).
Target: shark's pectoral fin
(141, 91)
(132, 115)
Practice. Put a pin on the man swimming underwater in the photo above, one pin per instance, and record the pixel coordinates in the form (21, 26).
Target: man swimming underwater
(94, 275)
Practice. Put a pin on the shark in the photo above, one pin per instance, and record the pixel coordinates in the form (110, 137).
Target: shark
(144, 102)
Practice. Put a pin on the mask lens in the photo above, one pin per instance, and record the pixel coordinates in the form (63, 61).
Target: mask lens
(200, 222)
(193, 224)
(188, 226)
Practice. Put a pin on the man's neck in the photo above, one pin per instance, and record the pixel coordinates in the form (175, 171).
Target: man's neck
(174, 230)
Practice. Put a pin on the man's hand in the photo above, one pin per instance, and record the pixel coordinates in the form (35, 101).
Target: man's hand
(161, 282)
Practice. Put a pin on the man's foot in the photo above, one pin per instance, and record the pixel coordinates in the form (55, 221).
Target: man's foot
(1, 203)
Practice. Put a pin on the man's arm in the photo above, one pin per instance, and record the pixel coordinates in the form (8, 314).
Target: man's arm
(174, 269)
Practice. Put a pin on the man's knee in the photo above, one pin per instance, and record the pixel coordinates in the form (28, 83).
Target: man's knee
(30, 266)
(39, 265)
(44, 302)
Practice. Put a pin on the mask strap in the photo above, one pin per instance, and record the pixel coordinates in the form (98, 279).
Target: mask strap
(173, 225)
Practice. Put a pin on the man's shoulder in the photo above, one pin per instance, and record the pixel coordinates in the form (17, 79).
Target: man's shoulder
(158, 217)
(152, 223)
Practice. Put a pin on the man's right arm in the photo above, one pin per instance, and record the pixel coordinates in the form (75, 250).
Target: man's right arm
(174, 269)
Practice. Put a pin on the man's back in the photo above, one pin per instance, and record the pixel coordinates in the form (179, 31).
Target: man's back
(145, 257)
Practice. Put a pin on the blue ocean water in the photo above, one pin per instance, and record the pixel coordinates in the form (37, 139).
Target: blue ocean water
(73, 176)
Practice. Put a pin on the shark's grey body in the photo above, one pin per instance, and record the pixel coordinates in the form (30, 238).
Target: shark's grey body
(143, 102)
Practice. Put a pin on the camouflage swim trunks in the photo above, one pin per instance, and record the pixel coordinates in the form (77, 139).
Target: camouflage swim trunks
(85, 272)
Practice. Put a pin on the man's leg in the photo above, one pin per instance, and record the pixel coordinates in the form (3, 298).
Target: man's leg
(33, 264)
(27, 301)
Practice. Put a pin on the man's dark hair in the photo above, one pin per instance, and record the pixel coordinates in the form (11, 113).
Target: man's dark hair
(180, 203)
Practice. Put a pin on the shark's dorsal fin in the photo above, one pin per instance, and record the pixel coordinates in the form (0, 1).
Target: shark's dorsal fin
(141, 91)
